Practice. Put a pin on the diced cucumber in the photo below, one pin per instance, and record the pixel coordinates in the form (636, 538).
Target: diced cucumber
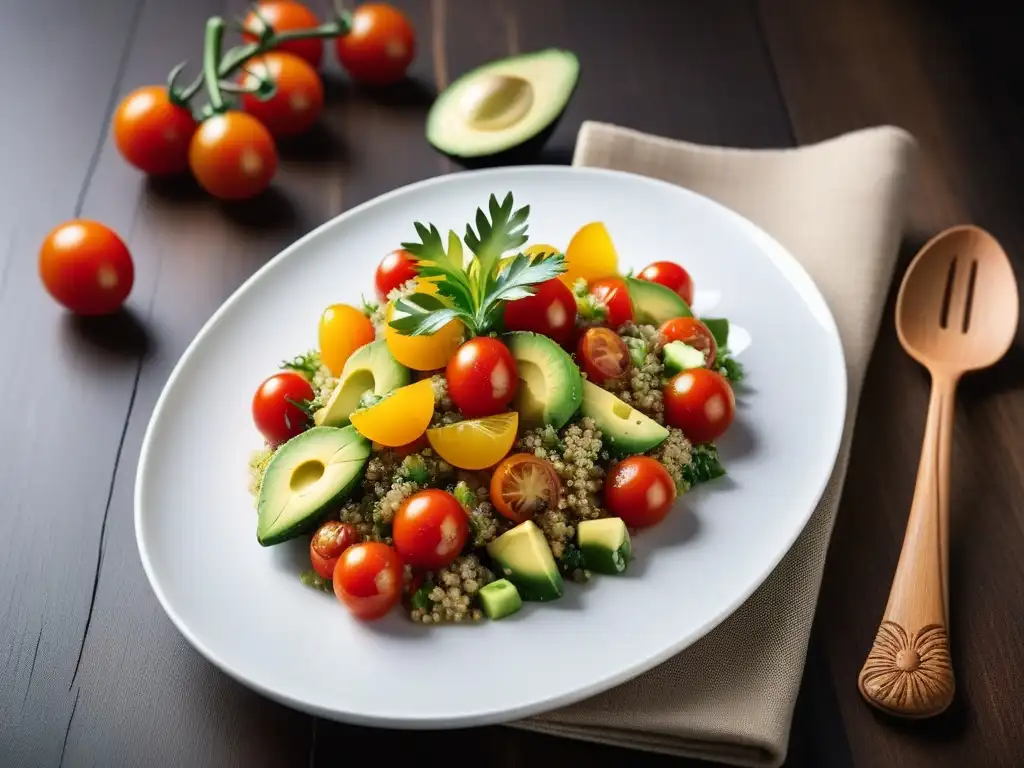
(605, 544)
(500, 599)
(680, 357)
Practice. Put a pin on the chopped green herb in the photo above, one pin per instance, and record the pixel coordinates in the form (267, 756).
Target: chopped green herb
(704, 465)
(637, 350)
(421, 597)
(316, 581)
(415, 468)
(306, 364)
(465, 496)
(729, 367)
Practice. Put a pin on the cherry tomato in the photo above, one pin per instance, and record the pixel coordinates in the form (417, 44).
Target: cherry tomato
(330, 540)
(639, 490)
(343, 330)
(524, 485)
(551, 310)
(612, 294)
(283, 15)
(415, 446)
(380, 45)
(694, 333)
(86, 267)
(298, 98)
(671, 275)
(233, 156)
(368, 579)
(394, 270)
(274, 409)
(482, 377)
(701, 403)
(603, 355)
(152, 133)
(430, 529)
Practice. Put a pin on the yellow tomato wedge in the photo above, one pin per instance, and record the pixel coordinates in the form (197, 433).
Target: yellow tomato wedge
(423, 353)
(400, 417)
(476, 443)
(534, 250)
(343, 330)
(590, 255)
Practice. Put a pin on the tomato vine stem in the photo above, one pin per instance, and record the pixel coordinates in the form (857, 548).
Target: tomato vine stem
(211, 59)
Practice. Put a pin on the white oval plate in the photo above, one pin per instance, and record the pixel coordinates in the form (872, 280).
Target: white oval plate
(249, 614)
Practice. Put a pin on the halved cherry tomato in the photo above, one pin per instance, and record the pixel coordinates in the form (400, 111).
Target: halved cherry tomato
(298, 97)
(330, 540)
(415, 446)
(700, 402)
(274, 406)
(282, 16)
(430, 529)
(694, 333)
(152, 133)
(524, 485)
(380, 45)
(671, 275)
(233, 156)
(639, 490)
(482, 377)
(551, 310)
(368, 579)
(612, 294)
(86, 267)
(343, 330)
(394, 270)
(603, 355)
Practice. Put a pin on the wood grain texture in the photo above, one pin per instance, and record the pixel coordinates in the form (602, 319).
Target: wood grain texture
(91, 670)
(945, 71)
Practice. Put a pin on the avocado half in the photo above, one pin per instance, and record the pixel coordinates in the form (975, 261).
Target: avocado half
(504, 111)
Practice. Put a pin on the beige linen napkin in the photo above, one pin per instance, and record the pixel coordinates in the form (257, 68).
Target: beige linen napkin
(838, 206)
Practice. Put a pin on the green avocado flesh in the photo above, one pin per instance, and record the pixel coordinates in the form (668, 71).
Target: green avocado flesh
(525, 559)
(605, 545)
(306, 477)
(550, 385)
(371, 368)
(500, 599)
(653, 303)
(503, 104)
(623, 427)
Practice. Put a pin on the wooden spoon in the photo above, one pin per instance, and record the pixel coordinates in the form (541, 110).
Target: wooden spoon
(957, 312)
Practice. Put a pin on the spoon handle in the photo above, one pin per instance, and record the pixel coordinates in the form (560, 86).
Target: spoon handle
(908, 672)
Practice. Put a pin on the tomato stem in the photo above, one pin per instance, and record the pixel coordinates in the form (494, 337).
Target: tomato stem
(238, 55)
(211, 58)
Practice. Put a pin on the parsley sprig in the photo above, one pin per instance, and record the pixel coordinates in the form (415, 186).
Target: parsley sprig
(473, 292)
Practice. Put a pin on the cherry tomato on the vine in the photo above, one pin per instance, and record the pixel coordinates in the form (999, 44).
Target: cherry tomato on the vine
(603, 355)
(368, 579)
(330, 540)
(86, 267)
(672, 276)
(298, 98)
(691, 332)
(639, 490)
(430, 529)
(612, 294)
(394, 270)
(274, 406)
(524, 485)
(482, 377)
(233, 156)
(380, 45)
(700, 402)
(551, 310)
(284, 16)
(153, 133)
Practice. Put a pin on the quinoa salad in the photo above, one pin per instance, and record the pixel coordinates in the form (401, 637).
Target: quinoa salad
(503, 419)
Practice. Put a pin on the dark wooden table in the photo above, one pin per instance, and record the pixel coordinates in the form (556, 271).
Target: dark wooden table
(91, 670)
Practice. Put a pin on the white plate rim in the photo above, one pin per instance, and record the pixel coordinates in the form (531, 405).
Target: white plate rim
(779, 255)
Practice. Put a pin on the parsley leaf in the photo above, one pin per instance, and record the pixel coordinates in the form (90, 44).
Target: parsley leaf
(432, 261)
(505, 231)
(515, 281)
(729, 367)
(704, 466)
(306, 364)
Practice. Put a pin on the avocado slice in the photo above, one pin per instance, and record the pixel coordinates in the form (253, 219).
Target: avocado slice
(500, 599)
(653, 303)
(525, 559)
(680, 356)
(624, 429)
(306, 477)
(371, 368)
(605, 544)
(550, 385)
(505, 110)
